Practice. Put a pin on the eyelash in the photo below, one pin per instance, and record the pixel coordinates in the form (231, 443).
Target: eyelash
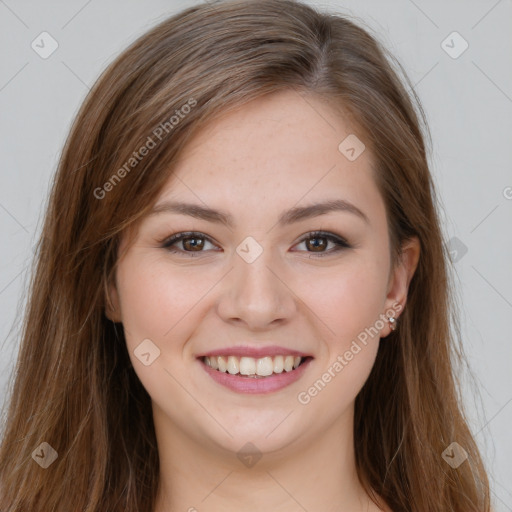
(339, 242)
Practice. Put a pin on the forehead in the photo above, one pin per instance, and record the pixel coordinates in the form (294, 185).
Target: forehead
(276, 151)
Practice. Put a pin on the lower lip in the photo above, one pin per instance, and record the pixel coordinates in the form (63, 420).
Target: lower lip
(253, 385)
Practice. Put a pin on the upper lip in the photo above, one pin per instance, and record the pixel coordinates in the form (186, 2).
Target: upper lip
(256, 352)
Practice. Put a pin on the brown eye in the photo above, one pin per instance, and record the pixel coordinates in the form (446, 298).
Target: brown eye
(191, 243)
(317, 243)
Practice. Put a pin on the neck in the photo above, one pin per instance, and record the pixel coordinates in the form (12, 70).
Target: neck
(317, 475)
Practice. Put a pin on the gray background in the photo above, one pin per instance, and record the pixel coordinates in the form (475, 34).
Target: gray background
(468, 101)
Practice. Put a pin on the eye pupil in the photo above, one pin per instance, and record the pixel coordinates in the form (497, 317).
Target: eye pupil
(194, 245)
(318, 246)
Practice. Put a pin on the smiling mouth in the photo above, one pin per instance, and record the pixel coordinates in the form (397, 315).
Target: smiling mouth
(256, 368)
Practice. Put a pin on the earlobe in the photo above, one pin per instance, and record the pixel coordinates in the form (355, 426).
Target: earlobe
(400, 280)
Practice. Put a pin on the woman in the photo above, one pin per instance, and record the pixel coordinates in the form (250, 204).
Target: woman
(241, 299)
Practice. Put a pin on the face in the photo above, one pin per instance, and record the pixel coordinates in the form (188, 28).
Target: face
(256, 284)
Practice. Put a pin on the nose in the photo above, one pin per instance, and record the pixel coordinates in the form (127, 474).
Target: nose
(256, 293)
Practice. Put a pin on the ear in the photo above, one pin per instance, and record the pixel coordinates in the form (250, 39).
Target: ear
(400, 278)
(112, 304)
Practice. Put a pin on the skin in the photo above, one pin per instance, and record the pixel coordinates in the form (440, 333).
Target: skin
(272, 154)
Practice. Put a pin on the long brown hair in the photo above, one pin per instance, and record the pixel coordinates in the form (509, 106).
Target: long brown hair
(74, 386)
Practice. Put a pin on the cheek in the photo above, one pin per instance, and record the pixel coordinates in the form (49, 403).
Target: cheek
(349, 300)
(349, 304)
(156, 303)
(161, 304)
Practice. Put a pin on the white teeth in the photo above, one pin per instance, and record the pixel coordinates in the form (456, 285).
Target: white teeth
(278, 364)
(222, 364)
(265, 366)
(233, 365)
(249, 366)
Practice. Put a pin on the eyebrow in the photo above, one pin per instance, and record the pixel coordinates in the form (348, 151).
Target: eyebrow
(295, 214)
